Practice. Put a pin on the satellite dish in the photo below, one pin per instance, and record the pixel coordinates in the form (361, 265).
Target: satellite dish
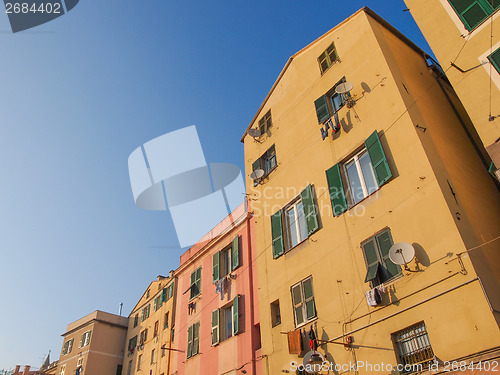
(257, 174)
(344, 87)
(312, 361)
(254, 133)
(401, 253)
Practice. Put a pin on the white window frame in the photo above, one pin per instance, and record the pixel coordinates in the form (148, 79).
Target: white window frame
(223, 334)
(299, 221)
(225, 264)
(85, 339)
(355, 160)
(303, 303)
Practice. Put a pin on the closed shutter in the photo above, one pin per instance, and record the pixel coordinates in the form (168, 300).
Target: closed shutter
(322, 111)
(196, 338)
(495, 59)
(216, 267)
(372, 260)
(336, 188)
(236, 315)
(471, 12)
(190, 342)
(307, 197)
(378, 159)
(215, 327)
(235, 253)
(384, 244)
(143, 314)
(277, 233)
(309, 299)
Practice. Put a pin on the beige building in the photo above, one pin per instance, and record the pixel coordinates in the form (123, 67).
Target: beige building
(359, 146)
(148, 348)
(93, 345)
(465, 37)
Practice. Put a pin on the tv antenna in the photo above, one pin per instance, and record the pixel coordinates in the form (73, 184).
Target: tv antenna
(254, 133)
(402, 253)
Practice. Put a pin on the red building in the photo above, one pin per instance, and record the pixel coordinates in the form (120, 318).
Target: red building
(217, 315)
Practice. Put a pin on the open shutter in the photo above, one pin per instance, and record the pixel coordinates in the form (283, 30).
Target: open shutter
(236, 316)
(297, 304)
(310, 308)
(235, 253)
(190, 342)
(378, 159)
(171, 290)
(471, 12)
(322, 111)
(196, 338)
(216, 267)
(277, 233)
(384, 244)
(372, 260)
(336, 187)
(215, 327)
(163, 295)
(307, 197)
(155, 304)
(256, 165)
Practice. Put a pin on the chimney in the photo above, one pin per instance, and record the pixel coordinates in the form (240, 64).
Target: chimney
(26, 370)
(16, 371)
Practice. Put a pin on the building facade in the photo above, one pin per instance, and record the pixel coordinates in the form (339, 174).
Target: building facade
(151, 326)
(358, 147)
(93, 345)
(217, 317)
(465, 37)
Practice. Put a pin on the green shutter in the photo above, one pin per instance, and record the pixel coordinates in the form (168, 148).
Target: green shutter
(495, 59)
(196, 338)
(307, 197)
(155, 305)
(216, 267)
(163, 295)
(235, 253)
(336, 187)
(143, 314)
(372, 261)
(236, 317)
(297, 304)
(471, 12)
(322, 111)
(215, 327)
(190, 342)
(277, 233)
(171, 290)
(378, 159)
(385, 243)
(256, 165)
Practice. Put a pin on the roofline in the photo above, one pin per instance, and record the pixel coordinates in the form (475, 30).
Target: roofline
(366, 10)
(138, 305)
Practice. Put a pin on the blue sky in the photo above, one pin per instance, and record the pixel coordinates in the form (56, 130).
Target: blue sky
(78, 95)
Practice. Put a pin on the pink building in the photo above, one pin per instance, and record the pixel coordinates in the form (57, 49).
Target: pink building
(217, 327)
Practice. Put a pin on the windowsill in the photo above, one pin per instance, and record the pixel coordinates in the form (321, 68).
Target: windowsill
(306, 323)
(364, 199)
(194, 298)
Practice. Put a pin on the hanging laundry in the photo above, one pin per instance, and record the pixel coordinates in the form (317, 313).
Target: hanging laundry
(373, 297)
(313, 343)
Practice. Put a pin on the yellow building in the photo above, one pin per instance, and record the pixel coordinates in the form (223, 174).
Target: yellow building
(357, 147)
(465, 37)
(93, 345)
(148, 343)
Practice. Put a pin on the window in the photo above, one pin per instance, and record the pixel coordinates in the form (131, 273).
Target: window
(267, 162)
(327, 58)
(136, 320)
(63, 370)
(163, 351)
(361, 174)
(225, 322)
(145, 312)
(119, 369)
(147, 293)
(195, 283)
(165, 324)
(129, 371)
(157, 303)
(495, 59)
(85, 339)
(193, 340)
(265, 122)
(143, 336)
(413, 345)
(139, 362)
(294, 223)
(376, 252)
(79, 362)
(67, 347)
(304, 309)
(132, 343)
(275, 313)
(473, 12)
(226, 260)
(170, 291)
(152, 356)
(155, 332)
